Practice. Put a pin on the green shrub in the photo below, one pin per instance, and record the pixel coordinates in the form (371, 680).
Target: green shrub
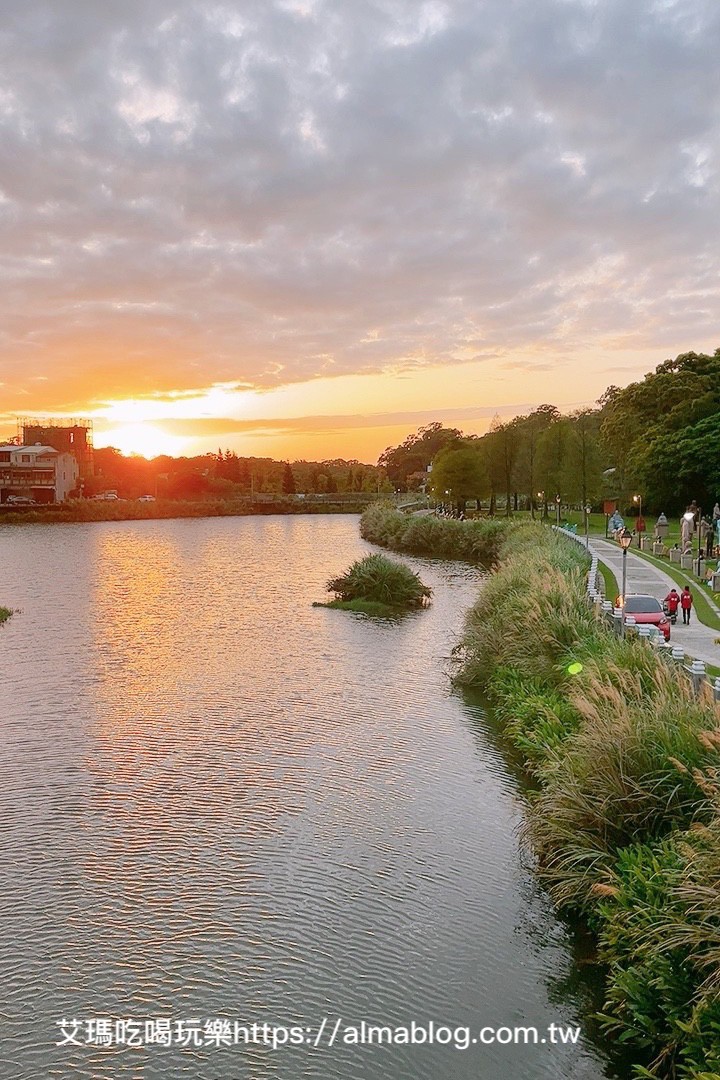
(440, 538)
(377, 579)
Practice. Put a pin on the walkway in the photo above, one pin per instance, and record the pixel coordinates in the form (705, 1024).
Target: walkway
(643, 577)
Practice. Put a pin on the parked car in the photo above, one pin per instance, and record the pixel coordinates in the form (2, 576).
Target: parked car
(647, 610)
(146, 498)
(20, 500)
(107, 496)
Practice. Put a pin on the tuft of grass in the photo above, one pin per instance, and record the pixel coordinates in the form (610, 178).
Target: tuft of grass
(5, 614)
(377, 580)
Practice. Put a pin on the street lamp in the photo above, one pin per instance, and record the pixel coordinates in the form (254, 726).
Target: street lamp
(541, 500)
(637, 499)
(588, 508)
(625, 542)
(558, 500)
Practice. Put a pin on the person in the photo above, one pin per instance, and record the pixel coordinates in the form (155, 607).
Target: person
(616, 524)
(672, 602)
(706, 535)
(686, 603)
(716, 513)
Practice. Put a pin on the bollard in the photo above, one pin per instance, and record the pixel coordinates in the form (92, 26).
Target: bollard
(617, 620)
(716, 689)
(644, 633)
(697, 674)
(678, 654)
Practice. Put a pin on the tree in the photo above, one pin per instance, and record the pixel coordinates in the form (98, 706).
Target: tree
(529, 429)
(461, 471)
(584, 466)
(288, 480)
(416, 453)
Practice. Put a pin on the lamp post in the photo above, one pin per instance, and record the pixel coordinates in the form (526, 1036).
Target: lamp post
(625, 542)
(587, 526)
(637, 499)
(558, 500)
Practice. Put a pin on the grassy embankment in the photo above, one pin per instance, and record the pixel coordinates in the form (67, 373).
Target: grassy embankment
(625, 821)
(132, 510)
(378, 586)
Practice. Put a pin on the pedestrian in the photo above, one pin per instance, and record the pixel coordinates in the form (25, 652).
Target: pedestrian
(686, 603)
(672, 603)
(707, 536)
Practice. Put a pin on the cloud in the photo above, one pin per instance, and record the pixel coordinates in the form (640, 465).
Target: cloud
(276, 191)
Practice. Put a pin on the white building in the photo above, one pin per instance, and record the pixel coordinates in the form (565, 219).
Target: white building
(36, 472)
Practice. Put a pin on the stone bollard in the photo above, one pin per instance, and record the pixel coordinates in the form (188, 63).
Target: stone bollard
(716, 689)
(686, 562)
(617, 620)
(675, 555)
(678, 654)
(697, 674)
(658, 549)
(644, 633)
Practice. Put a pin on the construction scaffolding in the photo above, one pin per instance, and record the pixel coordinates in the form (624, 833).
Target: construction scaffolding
(69, 436)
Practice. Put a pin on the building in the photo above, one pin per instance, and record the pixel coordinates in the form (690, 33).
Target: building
(40, 473)
(66, 436)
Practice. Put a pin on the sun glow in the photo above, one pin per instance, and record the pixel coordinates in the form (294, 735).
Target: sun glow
(147, 440)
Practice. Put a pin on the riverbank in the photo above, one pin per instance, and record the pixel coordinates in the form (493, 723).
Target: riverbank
(163, 509)
(625, 822)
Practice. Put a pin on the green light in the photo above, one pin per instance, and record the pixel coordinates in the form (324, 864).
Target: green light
(574, 669)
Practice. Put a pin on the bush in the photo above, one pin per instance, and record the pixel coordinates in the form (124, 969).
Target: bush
(377, 579)
(440, 538)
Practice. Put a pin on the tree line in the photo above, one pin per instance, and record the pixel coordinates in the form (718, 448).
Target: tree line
(657, 437)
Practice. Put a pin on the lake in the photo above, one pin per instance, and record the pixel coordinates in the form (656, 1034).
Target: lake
(224, 807)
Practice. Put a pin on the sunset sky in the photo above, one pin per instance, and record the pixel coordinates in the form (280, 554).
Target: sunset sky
(304, 228)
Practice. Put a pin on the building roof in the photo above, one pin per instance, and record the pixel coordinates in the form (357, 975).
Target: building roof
(36, 448)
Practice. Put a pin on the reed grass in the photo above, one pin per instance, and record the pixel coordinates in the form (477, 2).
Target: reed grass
(377, 580)
(626, 819)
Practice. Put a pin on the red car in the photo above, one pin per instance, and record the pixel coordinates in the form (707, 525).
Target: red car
(648, 610)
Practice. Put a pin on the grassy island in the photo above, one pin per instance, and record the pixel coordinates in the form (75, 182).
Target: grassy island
(378, 586)
(5, 614)
(625, 816)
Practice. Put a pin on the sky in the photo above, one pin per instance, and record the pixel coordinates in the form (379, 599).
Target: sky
(304, 228)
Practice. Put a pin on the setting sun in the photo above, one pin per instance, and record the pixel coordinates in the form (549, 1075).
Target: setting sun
(143, 439)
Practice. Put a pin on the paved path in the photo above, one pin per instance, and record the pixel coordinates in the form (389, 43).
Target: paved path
(644, 577)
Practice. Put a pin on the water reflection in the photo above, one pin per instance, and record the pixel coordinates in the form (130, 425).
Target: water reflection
(224, 802)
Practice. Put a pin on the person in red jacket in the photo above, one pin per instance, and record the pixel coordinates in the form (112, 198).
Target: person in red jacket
(672, 603)
(686, 603)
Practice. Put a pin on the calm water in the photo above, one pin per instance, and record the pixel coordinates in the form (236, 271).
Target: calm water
(220, 802)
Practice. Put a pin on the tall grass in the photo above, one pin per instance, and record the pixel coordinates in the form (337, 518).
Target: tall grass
(626, 819)
(441, 538)
(379, 580)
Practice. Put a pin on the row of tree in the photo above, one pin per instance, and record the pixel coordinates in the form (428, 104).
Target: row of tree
(657, 438)
(226, 475)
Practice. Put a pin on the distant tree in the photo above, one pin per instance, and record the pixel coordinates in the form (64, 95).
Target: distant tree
(288, 480)
(416, 453)
(460, 470)
(529, 429)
